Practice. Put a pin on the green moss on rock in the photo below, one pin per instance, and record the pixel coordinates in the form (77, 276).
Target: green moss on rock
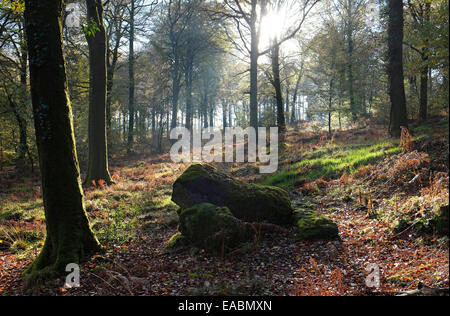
(314, 226)
(248, 202)
(177, 241)
(213, 228)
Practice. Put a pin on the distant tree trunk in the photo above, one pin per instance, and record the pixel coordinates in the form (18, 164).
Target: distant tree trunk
(224, 114)
(281, 122)
(424, 71)
(350, 52)
(98, 148)
(211, 116)
(398, 116)
(254, 56)
(69, 238)
(230, 120)
(287, 106)
(111, 60)
(205, 106)
(131, 79)
(330, 107)
(294, 99)
(18, 110)
(175, 95)
(188, 82)
(423, 106)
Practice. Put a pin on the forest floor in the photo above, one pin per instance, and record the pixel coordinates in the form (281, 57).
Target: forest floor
(383, 195)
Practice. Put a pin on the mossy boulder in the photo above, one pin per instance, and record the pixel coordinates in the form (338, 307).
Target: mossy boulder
(211, 227)
(314, 226)
(247, 202)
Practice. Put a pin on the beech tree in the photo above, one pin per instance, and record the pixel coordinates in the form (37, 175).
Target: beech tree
(98, 149)
(398, 117)
(69, 237)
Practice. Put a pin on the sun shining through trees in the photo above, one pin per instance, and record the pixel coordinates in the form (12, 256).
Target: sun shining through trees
(280, 19)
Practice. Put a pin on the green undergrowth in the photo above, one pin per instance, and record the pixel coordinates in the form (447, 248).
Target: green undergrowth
(332, 161)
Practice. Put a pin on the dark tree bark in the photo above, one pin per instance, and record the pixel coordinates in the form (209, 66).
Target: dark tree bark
(398, 116)
(131, 79)
(287, 105)
(98, 149)
(69, 238)
(188, 78)
(224, 114)
(423, 106)
(254, 56)
(176, 85)
(281, 122)
(295, 96)
(330, 106)
(424, 71)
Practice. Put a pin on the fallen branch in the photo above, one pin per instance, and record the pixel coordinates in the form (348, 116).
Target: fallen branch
(423, 290)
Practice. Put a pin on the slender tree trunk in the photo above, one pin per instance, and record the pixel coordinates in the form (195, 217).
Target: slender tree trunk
(69, 237)
(423, 112)
(211, 116)
(350, 52)
(224, 114)
(131, 79)
(398, 116)
(98, 148)
(281, 122)
(188, 82)
(287, 105)
(205, 107)
(294, 98)
(330, 107)
(23, 149)
(423, 106)
(175, 96)
(254, 56)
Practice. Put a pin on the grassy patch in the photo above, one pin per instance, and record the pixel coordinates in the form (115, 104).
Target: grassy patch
(333, 162)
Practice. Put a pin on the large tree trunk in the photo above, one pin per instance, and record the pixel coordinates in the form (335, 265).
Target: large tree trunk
(398, 116)
(98, 152)
(69, 238)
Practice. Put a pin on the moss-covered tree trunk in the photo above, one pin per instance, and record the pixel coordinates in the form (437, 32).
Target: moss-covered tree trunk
(69, 236)
(98, 152)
